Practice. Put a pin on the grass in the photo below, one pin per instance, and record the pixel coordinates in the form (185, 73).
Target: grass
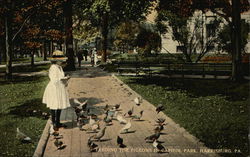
(18, 101)
(27, 68)
(215, 111)
(23, 60)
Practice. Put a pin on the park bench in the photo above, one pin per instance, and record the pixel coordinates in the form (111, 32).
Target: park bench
(132, 67)
(216, 69)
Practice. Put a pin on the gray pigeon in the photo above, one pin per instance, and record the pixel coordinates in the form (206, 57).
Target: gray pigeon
(138, 117)
(159, 108)
(107, 119)
(153, 137)
(59, 144)
(22, 137)
(92, 146)
(159, 147)
(99, 135)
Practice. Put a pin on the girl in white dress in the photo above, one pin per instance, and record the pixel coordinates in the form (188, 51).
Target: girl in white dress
(55, 94)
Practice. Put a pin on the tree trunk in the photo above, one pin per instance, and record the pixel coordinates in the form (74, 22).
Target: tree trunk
(187, 56)
(76, 45)
(67, 10)
(50, 48)
(32, 57)
(8, 44)
(104, 31)
(3, 49)
(236, 41)
(44, 51)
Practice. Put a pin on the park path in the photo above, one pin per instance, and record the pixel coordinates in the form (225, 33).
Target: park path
(101, 88)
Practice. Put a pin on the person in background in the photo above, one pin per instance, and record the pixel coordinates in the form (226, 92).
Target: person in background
(85, 53)
(94, 57)
(79, 58)
(56, 95)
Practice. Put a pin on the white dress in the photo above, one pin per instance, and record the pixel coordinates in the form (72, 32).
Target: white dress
(56, 94)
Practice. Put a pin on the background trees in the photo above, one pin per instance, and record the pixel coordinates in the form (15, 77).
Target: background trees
(148, 40)
(107, 14)
(126, 35)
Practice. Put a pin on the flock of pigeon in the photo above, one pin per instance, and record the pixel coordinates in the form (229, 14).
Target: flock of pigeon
(87, 121)
(90, 122)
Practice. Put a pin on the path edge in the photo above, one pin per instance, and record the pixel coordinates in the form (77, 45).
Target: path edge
(43, 141)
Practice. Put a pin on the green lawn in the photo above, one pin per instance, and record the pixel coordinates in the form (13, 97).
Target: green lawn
(27, 68)
(215, 111)
(18, 101)
(23, 60)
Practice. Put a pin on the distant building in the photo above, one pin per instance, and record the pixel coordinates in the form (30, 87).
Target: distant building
(172, 46)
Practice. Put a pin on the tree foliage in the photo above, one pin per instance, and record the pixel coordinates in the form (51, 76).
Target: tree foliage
(125, 35)
(224, 37)
(148, 40)
(107, 14)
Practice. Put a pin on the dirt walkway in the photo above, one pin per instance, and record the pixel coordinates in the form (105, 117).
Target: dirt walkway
(100, 89)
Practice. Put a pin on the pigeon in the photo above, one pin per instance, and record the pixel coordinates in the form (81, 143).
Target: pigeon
(91, 121)
(160, 121)
(107, 119)
(22, 137)
(159, 108)
(95, 127)
(138, 117)
(121, 119)
(126, 127)
(93, 116)
(106, 107)
(159, 147)
(52, 131)
(138, 101)
(45, 115)
(117, 106)
(159, 128)
(92, 146)
(153, 137)
(80, 105)
(58, 137)
(59, 144)
(100, 134)
(80, 124)
(119, 141)
(111, 112)
(130, 112)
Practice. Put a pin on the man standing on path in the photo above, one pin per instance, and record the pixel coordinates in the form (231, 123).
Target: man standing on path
(85, 53)
(79, 58)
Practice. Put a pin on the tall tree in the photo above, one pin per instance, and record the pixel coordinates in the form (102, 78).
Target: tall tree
(236, 42)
